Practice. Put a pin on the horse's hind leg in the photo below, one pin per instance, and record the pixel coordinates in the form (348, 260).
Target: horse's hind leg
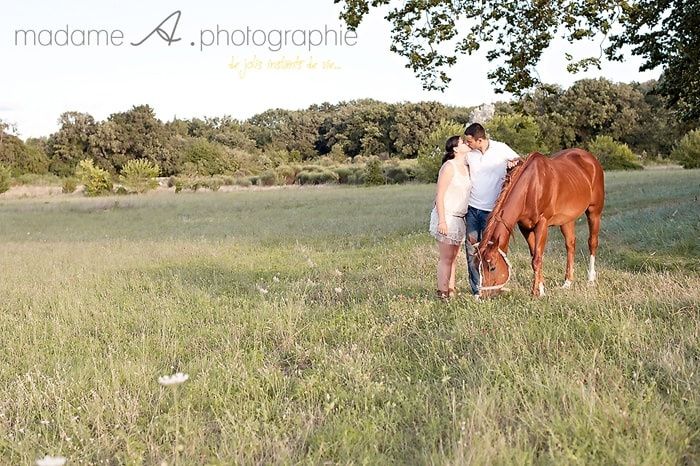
(569, 232)
(593, 213)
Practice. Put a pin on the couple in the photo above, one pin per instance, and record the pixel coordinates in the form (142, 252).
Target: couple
(470, 180)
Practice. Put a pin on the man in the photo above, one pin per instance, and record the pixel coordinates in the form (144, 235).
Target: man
(488, 161)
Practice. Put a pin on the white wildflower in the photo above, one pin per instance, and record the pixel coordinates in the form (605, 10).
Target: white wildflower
(338, 290)
(310, 262)
(276, 279)
(338, 273)
(263, 290)
(175, 379)
(51, 461)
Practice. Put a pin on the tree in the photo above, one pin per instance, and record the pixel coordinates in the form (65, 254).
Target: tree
(134, 134)
(6, 128)
(22, 157)
(412, 125)
(71, 143)
(431, 152)
(667, 34)
(593, 107)
(279, 129)
(659, 129)
(431, 34)
(687, 152)
(518, 131)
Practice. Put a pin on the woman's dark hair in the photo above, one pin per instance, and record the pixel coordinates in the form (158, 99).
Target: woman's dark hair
(450, 148)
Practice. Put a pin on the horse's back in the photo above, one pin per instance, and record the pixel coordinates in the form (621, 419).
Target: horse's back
(580, 176)
(580, 158)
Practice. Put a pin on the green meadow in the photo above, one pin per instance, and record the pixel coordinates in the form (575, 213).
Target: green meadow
(306, 322)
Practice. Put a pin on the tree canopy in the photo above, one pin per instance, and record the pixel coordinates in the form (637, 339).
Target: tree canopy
(431, 34)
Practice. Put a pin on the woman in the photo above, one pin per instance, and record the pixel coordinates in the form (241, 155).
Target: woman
(447, 218)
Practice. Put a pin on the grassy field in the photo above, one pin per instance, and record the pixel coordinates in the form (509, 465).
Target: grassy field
(306, 321)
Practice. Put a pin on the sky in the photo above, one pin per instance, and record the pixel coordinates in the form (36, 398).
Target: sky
(197, 77)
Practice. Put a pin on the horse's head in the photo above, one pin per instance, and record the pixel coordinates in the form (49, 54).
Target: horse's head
(494, 269)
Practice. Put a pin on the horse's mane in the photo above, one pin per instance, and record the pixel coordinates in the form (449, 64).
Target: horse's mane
(508, 185)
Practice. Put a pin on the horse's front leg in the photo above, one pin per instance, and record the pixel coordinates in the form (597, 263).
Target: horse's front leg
(529, 235)
(569, 232)
(540, 241)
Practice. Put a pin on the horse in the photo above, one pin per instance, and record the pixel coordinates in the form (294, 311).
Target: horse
(538, 193)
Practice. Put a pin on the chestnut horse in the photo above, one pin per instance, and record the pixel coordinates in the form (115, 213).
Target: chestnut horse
(539, 193)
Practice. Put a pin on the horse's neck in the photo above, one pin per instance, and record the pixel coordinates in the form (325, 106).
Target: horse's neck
(517, 205)
(502, 237)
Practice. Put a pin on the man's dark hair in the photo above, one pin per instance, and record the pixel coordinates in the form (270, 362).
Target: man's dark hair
(476, 131)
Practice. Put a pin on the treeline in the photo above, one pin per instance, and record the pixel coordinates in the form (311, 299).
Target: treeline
(548, 119)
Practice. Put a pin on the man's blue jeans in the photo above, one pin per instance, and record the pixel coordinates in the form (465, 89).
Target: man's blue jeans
(476, 223)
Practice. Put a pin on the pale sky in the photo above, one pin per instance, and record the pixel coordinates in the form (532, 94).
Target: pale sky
(41, 82)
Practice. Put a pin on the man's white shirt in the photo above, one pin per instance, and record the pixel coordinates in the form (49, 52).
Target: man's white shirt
(487, 172)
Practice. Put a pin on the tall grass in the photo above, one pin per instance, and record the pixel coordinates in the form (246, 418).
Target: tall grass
(346, 358)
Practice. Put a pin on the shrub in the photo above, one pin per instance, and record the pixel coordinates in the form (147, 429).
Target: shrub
(69, 185)
(350, 174)
(294, 156)
(396, 174)
(139, 175)
(613, 155)
(97, 181)
(357, 177)
(195, 183)
(315, 176)
(431, 152)
(226, 180)
(286, 174)
(171, 181)
(121, 191)
(326, 162)
(243, 182)
(203, 157)
(213, 184)
(268, 178)
(411, 167)
(687, 152)
(373, 172)
(179, 185)
(5, 177)
(360, 159)
(337, 153)
(343, 173)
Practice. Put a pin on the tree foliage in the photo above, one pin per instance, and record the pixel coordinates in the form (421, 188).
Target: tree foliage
(21, 158)
(666, 33)
(546, 119)
(431, 34)
(5, 178)
(687, 152)
(96, 180)
(71, 143)
(139, 175)
(520, 132)
(432, 150)
(613, 155)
